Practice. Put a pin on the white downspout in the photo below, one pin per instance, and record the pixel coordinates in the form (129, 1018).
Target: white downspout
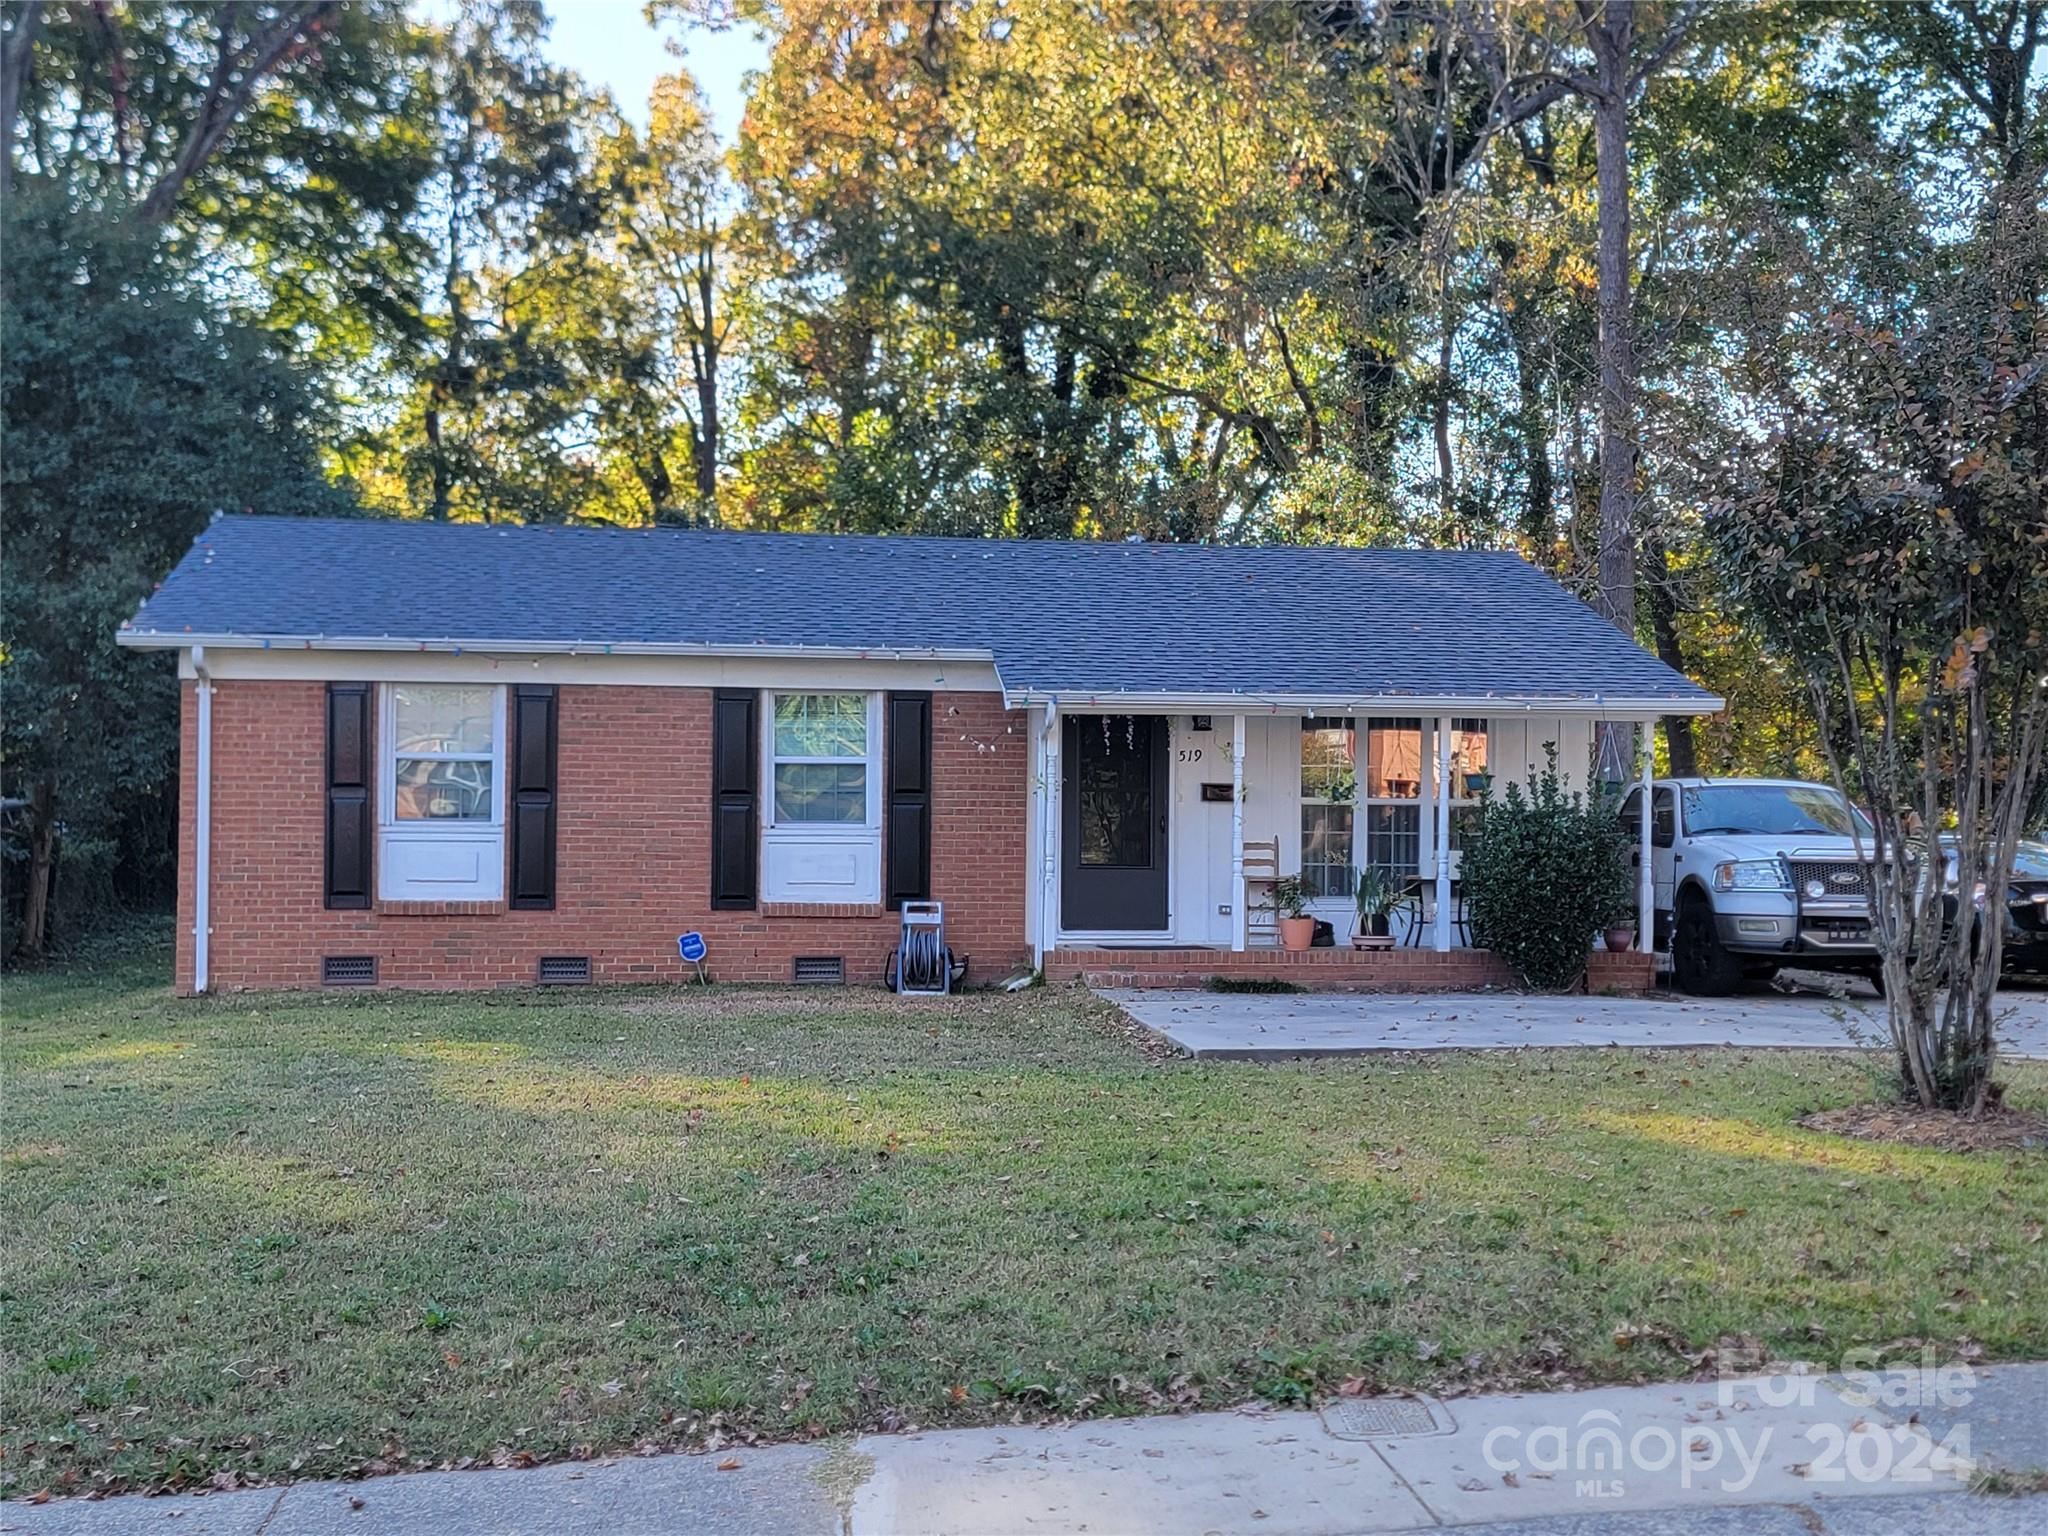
(1048, 828)
(202, 823)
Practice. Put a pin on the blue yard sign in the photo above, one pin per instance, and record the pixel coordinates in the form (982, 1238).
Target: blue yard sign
(691, 947)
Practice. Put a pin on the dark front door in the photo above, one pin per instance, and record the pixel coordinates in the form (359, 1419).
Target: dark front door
(1113, 824)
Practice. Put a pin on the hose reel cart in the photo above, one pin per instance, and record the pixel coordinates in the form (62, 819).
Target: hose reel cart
(922, 965)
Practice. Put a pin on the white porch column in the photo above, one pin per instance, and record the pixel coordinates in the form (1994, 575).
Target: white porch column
(1646, 878)
(1238, 896)
(1441, 808)
(1049, 833)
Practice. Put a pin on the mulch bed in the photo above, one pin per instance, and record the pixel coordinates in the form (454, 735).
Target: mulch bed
(2001, 1129)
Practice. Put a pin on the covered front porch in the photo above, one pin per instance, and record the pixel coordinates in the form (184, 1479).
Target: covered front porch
(1157, 832)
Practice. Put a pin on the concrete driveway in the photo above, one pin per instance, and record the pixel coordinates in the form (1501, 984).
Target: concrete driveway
(1248, 1026)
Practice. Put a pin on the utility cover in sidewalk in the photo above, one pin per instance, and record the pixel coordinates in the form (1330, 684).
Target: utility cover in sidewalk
(1377, 1418)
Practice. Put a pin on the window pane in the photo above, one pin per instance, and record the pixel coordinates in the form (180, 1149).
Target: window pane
(1328, 763)
(1393, 753)
(821, 725)
(1326, 849)
(1113, 784)
(1468, 755)
(834, 792)
(1393, 838)
(1464, 821)
(442, 719)
(434, 789)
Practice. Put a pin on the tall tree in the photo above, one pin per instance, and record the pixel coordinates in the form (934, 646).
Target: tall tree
(668, 211)
(131, 412)
(1887, 534)
(482, 423)
(280, 139)
(1606, 53)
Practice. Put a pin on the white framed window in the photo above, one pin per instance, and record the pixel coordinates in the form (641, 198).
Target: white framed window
(822, 760)
(1391, 795)
(1471, 765)
(821, 828)
(1329, 794)
(441, 827)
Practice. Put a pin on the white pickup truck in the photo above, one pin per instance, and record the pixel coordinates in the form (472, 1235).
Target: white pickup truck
(1752, 875)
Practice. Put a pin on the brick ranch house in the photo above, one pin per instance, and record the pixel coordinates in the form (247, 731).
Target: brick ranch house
(443, 756)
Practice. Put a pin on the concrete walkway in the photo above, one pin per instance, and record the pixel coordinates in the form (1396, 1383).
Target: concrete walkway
(1760, 1456)
(1249, 1026)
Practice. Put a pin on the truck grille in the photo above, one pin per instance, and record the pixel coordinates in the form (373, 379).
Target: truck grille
(1841, 881)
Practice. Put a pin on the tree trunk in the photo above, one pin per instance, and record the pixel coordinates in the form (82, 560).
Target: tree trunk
(705, 449)
(1446, 468)
(1678, 738)
(705, 354)
(1532, 423)
(1612, 37)
(17, 58)
(42, 864)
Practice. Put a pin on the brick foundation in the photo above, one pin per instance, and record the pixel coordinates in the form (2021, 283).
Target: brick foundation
(633, 850)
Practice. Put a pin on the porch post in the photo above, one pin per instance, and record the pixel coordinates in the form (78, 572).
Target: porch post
(1442, 809)
(1049, 835)
(1646, 880)
(1238, 916)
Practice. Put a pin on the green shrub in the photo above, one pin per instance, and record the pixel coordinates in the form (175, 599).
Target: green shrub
(1543, 872)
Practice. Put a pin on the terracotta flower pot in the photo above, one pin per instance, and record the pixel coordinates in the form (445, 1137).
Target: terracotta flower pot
(1297, 933)
(1621, 939)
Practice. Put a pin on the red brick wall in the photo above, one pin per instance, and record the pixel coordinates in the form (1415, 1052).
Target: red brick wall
(633, 853)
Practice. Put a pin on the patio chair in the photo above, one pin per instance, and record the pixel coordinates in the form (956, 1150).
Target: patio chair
(1261, 869)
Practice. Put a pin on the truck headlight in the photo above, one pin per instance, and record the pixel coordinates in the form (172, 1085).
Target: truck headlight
(1750, 875)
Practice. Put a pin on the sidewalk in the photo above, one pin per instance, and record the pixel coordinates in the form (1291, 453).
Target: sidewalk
(1756, 1457)
(1279, 1026)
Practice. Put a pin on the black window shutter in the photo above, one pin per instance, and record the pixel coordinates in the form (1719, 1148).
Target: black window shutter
(534, 711)
(907, 796)
(349, 832)
(735, 797)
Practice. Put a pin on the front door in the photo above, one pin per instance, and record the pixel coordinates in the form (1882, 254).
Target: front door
(1113, 801)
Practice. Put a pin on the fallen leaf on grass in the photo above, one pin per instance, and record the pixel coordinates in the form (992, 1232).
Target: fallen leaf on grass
(730, 1464)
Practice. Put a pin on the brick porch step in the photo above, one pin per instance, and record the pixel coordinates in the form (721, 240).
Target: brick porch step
(1394, 970)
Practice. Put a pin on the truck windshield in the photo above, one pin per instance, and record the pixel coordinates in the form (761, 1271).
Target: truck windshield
(1770, 810)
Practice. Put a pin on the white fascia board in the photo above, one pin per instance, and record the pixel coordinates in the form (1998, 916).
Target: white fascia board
(1080, 702)
(167, 640)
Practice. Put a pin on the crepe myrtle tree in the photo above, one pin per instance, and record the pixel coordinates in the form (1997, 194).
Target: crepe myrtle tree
(1891, 540)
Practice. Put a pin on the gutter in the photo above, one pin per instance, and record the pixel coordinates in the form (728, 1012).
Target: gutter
(1593, 707)
(166, 640)
(202, 825)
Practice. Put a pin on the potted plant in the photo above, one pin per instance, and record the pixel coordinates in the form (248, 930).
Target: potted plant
(1377, 895)
(1619, 936)
(1291, 897)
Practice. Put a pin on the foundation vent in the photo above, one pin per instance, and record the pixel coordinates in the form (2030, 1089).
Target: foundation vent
(348, 970)
(819, 970)
(564, 970)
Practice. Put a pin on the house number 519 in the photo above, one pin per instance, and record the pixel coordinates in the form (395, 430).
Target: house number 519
(1190, 754)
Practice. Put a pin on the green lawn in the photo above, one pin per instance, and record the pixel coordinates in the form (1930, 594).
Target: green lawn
(282, 1234)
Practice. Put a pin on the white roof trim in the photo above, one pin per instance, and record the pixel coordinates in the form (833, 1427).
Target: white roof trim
(1014, 698)
(161, 639)
(1082, 701)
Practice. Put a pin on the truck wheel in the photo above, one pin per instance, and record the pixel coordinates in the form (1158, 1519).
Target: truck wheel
(1699, 963)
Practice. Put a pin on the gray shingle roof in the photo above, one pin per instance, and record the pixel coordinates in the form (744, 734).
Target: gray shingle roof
(1056, 617)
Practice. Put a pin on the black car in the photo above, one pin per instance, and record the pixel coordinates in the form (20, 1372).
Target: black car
(2026, 910)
